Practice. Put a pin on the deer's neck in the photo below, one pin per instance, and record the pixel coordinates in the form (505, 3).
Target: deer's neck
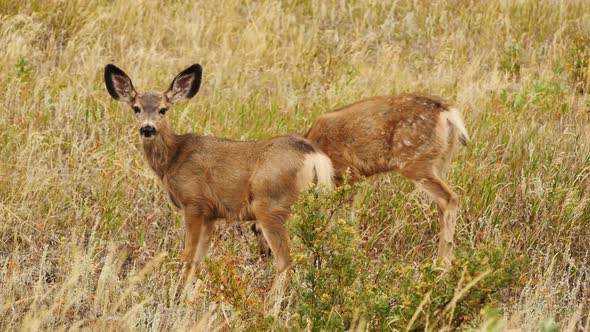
(160, 150)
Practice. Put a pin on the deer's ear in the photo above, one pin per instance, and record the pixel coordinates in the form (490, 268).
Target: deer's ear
(186, 84)
(119, 84)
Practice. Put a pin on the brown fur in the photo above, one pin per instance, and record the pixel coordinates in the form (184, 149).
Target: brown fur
(402, 133)
(410, 134)
(211, 178)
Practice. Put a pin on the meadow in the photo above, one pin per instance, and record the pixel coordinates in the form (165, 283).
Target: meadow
(90, 241)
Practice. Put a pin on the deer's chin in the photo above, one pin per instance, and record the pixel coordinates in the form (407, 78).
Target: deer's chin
(147, 138)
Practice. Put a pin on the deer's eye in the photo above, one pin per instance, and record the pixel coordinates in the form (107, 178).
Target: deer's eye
(163, 111)
(136, 109)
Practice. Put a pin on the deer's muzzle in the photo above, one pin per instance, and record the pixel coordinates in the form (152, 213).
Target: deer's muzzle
(147, 131)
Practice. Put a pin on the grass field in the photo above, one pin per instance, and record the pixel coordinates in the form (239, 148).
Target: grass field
(89, 240)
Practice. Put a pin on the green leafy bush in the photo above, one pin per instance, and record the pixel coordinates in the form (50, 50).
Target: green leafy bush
(338, 287)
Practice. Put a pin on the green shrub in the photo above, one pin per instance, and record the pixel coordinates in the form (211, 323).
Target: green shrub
(337, 286)
(328, 280)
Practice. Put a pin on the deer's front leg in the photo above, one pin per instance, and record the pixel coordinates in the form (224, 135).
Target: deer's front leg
(198, 236)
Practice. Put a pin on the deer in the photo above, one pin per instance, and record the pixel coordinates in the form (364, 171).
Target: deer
(212, 178)
(414, 135)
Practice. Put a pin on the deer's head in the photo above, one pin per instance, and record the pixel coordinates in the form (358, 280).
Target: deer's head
(150, 107)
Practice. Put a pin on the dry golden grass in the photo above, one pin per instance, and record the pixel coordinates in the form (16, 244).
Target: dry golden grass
(88, 239)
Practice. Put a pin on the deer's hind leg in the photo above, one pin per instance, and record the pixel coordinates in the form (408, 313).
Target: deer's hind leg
(272, 224)
(271, 221)
(263, 246)
(447, 203)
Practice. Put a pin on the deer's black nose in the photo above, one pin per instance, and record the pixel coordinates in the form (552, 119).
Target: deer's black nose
(147, 131)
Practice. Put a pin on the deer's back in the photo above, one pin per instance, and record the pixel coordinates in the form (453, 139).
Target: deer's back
(224, 176)
(380, 133)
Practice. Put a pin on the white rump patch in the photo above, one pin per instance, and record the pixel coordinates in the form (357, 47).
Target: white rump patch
(317, 168)
(454, 117)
